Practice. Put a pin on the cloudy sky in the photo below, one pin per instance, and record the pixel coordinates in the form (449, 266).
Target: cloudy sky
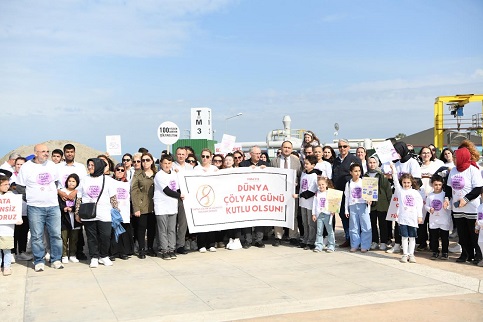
(81, 70)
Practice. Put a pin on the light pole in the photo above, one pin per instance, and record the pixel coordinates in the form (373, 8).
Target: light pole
(230, 117)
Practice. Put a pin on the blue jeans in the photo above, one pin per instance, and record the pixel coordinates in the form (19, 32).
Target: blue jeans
(324, 220)
(360, 226)
(40, 217)
(7, 258)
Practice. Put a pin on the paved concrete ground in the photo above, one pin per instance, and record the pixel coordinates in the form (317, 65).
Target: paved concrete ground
(280, 284)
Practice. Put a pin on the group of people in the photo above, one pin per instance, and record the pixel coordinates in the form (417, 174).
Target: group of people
(435, 196)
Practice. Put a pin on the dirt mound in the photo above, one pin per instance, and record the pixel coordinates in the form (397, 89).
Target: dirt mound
(82, 152)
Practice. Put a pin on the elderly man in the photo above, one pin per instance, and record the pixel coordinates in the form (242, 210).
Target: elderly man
(37, 181)
(9, 165)
(340, 176)
(287, 161)
(254, 162)
(181, 165)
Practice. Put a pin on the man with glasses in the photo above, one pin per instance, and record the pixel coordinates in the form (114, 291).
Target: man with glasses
(254, 161)
(181, 165)
(340, 176)
(37, 181)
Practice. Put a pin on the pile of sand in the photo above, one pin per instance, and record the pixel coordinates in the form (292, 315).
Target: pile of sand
(82, 152)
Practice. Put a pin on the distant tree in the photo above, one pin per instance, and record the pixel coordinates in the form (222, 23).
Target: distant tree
(399, 136)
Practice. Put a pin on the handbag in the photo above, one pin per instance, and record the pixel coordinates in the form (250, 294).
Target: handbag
(88, 210)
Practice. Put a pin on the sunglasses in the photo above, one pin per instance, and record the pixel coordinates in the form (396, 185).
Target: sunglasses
(147, 160)
(216, 160)
(343, 146)
(238, 158)
(121, 170)
(191, 161)
(205, 156)
(126, 160)
(137, 161)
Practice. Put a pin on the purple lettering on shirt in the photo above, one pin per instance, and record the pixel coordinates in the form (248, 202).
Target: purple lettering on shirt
(304, 184)
(44, 179)
(480, 216)
(69, 203)
(122, 194)
(356, 193)
(458, 182)
(409, 201)
(93, 191)
(172, 185)
(437, 204)
(322, 202)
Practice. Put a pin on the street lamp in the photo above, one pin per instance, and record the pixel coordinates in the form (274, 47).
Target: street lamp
(230, 117)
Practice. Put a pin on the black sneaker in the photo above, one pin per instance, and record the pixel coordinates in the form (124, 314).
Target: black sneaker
(182, 251)
(302, 245)
(259, 244)
(172, 255)
(165, 256)
(277, 242)
(294, 241)
(81, 256)
(444, 256)
(246, 245)
(312, 247)
(435, 256)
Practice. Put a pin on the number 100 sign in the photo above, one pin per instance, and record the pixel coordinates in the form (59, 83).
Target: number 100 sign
(168, 133)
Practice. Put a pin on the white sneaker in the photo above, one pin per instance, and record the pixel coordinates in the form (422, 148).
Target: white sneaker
(236, 244)
(373, 245)
(24, 257)
(105, 261)
(47, 257)
(202, 250)
(412, 259)
(187, 245)
(230, 242)
(57, 265)
(65, 260)
(455, 249)
(382, 246)
(212, 249)
(73, 259)
(404, 258)
(94, 263)
(12, 259)
(396, 249)
(453, 234)
(39, 267)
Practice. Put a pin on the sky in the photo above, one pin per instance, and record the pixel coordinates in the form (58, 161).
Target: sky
(81, 70)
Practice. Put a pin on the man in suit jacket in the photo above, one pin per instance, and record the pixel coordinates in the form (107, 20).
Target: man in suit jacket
(288, 161)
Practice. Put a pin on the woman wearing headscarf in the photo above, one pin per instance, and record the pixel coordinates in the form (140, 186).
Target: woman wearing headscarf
(466, 182)
(96, 187)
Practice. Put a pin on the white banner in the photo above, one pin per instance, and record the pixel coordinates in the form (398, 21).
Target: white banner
(10, 208)
(392, 211)
(238, 197)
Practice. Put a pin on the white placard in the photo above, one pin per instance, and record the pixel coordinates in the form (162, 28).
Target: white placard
(113, 144)
(10, 208)
(201, 127)
(392, 211)
(238, 197)
(386, 152)
(168, 133)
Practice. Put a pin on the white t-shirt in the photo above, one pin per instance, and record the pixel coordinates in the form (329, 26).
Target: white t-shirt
(320, 203)
(176, 166)
(164, 204)
(410, 204)
(411, 166)
(89, 192)
(200, 168)
(462, 183)
(440, 218)
(123, 194)
(353, 194)
(66, 170)
(40, 183)
(307, 182)
(325, 167)
(427, 172)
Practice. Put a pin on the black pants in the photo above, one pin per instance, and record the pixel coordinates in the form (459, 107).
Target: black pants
(124, 244)
(80, 242)
(423, 236)
(468, 239)
(98, 238)
(397, 235)
(146, 222)
(435, 235)
(206, 240)
(379, 226)
(20, 236)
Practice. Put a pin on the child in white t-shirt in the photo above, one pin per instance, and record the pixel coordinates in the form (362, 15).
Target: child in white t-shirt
(439, 218)
(7, 231)
(321, 215)
(69, 227)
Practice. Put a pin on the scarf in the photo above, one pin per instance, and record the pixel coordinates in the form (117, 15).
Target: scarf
(99, 166)
(376, 170)
(403, 151)
(463, 159)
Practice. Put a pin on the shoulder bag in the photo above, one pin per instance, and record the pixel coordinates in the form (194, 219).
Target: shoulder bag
(88, 210)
